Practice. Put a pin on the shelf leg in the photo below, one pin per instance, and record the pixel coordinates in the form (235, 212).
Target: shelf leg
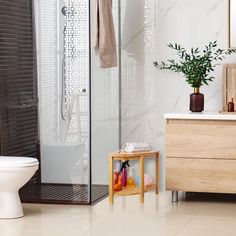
(111, 192)
(141, 166)
(174, 196)
(157, 173)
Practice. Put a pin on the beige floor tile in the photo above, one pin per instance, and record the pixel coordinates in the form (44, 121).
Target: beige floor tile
(209, 226)
(157, 216)
(220, 209)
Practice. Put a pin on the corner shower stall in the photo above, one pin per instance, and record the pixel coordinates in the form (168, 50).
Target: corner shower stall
(78, 105)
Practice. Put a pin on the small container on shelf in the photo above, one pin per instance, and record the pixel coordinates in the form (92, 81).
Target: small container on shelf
(131, 182)
(231, 105)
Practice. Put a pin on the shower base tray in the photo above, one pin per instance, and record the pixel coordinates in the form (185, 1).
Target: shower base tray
(62, 193)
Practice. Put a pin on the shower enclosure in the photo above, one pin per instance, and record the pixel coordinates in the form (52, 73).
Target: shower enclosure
(78, 105)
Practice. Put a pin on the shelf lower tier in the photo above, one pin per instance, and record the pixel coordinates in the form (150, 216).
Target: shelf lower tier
(132, 191)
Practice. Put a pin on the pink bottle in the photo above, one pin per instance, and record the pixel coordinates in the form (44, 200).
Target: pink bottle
(124, 177)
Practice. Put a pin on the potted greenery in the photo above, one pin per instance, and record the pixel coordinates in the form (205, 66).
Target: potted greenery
(196, 67)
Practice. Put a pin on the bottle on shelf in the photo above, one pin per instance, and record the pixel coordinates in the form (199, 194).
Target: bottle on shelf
(130, 182)
(123, 172)
(117, 184)
(231, 105)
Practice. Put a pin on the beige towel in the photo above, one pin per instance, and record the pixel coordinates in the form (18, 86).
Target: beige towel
(104, 40)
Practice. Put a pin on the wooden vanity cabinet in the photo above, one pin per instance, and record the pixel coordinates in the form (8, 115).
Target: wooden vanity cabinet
(201, 155)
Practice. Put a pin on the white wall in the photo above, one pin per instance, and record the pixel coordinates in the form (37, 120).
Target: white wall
(190, 23)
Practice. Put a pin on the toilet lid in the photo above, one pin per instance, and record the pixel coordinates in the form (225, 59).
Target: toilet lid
(8, 161)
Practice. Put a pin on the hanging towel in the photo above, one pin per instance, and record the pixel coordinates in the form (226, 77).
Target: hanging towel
(104, 41)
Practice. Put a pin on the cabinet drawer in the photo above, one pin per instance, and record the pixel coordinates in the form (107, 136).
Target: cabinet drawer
(201, 139)
(201, 175)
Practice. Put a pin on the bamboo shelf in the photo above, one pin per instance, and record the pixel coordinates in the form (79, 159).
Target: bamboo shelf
(133, 191)
(139, 156)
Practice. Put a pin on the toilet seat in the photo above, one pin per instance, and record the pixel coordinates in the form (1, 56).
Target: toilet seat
(8, 161)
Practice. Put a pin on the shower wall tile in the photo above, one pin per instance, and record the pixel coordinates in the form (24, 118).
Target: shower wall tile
(148, 26)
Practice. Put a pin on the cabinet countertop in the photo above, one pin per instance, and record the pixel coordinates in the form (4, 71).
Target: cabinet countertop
(206, 115)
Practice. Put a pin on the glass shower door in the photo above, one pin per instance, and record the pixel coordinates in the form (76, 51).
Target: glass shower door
(63, 80)
(78, 105)
(105, 120)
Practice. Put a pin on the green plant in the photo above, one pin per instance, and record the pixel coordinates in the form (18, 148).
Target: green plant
(196, 65)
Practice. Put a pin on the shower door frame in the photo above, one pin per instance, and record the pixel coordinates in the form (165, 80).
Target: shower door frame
(90, 106)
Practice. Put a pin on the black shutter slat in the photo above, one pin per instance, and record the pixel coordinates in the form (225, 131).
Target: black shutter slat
(18, 106)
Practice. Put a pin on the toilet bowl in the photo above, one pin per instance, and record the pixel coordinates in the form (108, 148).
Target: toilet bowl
(14, 173)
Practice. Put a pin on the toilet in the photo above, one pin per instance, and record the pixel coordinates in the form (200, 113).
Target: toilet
(14, 173)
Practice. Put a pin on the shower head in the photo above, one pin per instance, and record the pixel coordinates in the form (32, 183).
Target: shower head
(68, 11)
(64, 10)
